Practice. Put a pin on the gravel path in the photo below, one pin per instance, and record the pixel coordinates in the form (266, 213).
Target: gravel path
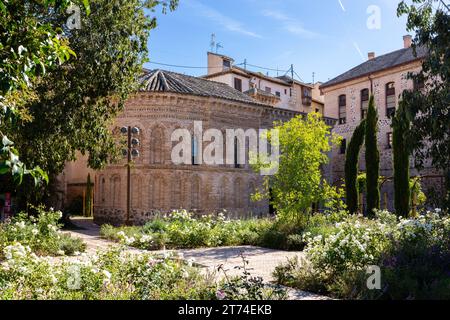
(261, 261)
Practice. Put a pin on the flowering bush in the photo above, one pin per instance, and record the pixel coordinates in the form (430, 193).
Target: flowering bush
(115, 274)
(181, 230)
(413, 255)
(42, 234)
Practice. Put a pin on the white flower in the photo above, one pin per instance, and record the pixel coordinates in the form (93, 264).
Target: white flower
(107, 274)
(60, 252)
(34, 231)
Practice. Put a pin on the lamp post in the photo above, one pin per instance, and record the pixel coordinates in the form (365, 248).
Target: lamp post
(130, 152)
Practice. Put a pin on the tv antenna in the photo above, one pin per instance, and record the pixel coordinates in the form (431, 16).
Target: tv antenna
(213, 42)
(218, 46)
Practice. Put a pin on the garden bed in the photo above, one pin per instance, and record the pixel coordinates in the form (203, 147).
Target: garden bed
(412, 256)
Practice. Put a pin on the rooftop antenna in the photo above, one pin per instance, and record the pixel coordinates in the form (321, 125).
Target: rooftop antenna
(218, 46)
(292, 72)
(213, 42)
(314, 77)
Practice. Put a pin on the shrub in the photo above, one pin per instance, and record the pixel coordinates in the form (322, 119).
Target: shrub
(41, 233)
(181, 230)
(413, 255)
(372, 159)
(116, 274)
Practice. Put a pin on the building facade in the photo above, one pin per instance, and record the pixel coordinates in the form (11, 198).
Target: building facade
(347, 97)
(282, 92)
(170, 101)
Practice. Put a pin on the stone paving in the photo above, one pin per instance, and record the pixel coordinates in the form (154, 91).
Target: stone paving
(261, 261)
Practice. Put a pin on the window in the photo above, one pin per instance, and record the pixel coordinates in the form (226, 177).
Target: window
(195, 160)
(307, 99)
(285, 91)
(278, 94)
(238, 84)
(390, 99)
(343, 147)
(342, 109)
(226, 64)
(364, 103)
(317, 110)
(268, 90)
(236, 154)
(389, 140)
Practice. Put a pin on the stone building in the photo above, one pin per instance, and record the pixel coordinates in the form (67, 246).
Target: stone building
(170, 101)
(347, 97)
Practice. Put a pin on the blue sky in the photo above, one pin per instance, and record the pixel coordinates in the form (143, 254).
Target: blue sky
(327, 37)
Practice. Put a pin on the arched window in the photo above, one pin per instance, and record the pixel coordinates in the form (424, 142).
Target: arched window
(224, 196)
(238, 193)
(115, 192)
(176, 202)
(157, 146)
(136, 189)
(195, 192)
(342, 109)
(364, 103)
(251, 190)
(102, 189)
(390, 99)
(156, 193)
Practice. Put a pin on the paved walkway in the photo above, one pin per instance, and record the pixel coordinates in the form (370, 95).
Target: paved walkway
(261, 261)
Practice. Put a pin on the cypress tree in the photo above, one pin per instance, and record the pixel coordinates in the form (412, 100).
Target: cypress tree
(402, 193)
(372, 159)
(351, 167)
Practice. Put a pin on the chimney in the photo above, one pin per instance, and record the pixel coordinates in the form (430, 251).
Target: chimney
(407, 41)
(371, 55)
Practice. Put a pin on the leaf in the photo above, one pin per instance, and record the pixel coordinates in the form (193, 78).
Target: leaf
(87, 7)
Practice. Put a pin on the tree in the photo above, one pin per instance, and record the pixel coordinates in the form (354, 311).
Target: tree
(430, 108)
(351, 167)
(372, 159)
(76, 102)
(401, 152)
(30, 46)
(303, 145)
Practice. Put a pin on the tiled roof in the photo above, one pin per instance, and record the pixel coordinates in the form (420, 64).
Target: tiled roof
(383, 62)
(167, 81)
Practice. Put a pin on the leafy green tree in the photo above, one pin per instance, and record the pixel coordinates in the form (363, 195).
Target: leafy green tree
(430, 108)
(298, 183)
(401, 152)
(29, 47)
(351, 167)
(76, 102)
(372, 159)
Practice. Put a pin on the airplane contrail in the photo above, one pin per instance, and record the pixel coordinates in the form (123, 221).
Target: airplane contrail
(342, 6)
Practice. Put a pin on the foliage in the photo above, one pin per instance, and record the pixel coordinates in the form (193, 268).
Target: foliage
(41, 234)
(413, 255)
(402, 195)
(181, 230)
(113, 274)
(351, 168)
(303, 144)
(429, 108)
(246, 287)
(30, 46)
(74, 104)
(372, 159)
(118, 274)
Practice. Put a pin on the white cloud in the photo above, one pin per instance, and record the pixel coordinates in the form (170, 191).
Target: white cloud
(289, 24)
(225, 21)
